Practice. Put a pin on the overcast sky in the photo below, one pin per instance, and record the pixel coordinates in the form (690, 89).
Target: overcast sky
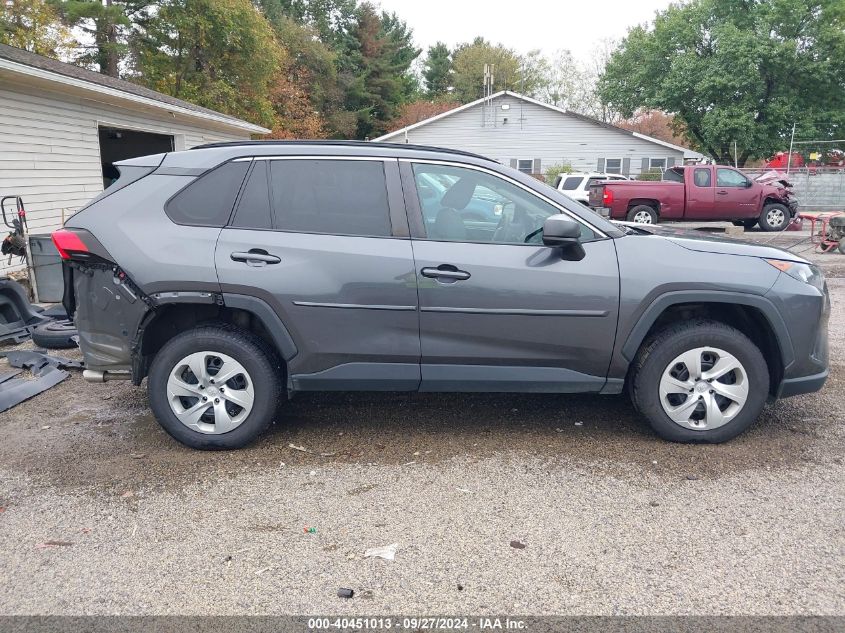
(546, 24)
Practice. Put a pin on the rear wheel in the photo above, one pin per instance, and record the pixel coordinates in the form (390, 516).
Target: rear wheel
(642, 214)
(700, 381)
(214, 387)
(775, 217)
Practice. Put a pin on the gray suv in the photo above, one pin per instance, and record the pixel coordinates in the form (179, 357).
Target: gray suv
(234, 274)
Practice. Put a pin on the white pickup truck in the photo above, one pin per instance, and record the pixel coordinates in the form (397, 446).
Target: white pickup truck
(577, 185)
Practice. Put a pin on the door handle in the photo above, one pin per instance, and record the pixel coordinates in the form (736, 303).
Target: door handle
(445, 271)
(255, 257)
(723, 192)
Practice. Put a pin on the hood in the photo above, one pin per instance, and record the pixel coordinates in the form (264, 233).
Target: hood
(774, 178)
(706, 243)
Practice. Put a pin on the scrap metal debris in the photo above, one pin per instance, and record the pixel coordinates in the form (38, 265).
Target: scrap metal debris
(46, 370)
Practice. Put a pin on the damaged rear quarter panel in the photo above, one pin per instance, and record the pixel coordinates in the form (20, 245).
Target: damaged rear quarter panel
(109, 311)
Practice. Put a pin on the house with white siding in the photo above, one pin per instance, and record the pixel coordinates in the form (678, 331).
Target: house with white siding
(62, 127)
(533, 136)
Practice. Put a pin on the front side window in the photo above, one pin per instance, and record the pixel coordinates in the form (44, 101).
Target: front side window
(729, 178)
(613, 166)
(208, 201)
(341, 197)
(480, 207)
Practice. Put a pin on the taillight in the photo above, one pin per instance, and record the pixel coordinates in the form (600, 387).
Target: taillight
(68, 243)
(607, 197)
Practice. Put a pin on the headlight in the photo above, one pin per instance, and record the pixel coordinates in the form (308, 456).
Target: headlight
(807, 273)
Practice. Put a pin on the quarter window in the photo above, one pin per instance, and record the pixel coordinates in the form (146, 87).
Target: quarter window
(729, 178)
(480, 207)
(571, 183)
(342, 197)
(613, 166)
(208, 201)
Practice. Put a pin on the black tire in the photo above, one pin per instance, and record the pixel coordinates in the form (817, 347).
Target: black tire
(640, 209)
(772, 226)
(260, 362)
(55, 334)
(661, 349)
(748, 224)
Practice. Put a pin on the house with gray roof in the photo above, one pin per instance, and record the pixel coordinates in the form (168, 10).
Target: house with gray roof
(62, 127)
(533, 136)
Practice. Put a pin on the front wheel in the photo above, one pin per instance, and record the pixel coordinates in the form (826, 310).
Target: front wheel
(642, 214)
(775, 217)
(700, 381)
(214, 387)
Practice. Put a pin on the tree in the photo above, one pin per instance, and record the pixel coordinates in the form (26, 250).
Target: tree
(468, 62)
(655, 124)
(737, 71)
(332, 20)
(437, 70)
(109, 24)
(221, 54)
(34, 26)
(375, 73)
(417, 111)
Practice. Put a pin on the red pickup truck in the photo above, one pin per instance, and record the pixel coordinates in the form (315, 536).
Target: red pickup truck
(699, 192)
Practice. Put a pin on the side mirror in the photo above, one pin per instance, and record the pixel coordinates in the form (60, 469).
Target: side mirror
(559, 230)
(748, 184)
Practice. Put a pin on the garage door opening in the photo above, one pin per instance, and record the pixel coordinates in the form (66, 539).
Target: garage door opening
(117, 144)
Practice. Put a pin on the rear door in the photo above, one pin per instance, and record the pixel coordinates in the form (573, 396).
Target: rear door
(700, 193)
(324, 241)
(498, 310)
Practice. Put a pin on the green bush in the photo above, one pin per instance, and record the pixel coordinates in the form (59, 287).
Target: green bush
(556, 170)
(654, 173)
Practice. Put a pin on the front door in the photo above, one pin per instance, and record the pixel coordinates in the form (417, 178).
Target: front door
(498, 310)
(736, 197)
(324, 241)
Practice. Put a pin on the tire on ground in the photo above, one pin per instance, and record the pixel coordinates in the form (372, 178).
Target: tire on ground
(642, 209)
(259, 360)
(774, 207)
(55, 334)
(666, 345)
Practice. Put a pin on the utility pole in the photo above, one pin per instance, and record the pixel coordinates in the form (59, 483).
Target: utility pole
(791, 143)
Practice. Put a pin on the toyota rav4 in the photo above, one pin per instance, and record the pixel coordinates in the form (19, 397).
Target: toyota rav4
(233, 275)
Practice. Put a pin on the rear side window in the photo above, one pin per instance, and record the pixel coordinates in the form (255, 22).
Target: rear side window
(342, 197)
(571, 183)
(208, 201)
(701, 177)
(254, 206)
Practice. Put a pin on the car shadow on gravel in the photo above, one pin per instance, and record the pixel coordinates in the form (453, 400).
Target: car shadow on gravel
(104, 439)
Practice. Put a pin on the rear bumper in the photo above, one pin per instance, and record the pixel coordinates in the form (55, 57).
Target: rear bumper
(798, 386)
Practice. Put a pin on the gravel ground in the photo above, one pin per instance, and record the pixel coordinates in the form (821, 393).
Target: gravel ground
(614, 521)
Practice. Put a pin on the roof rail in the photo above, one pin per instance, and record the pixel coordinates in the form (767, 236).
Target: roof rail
(336, 143)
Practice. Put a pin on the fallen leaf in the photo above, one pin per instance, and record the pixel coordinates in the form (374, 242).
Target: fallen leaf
(127, 494)
(301, 449)
(517, 544)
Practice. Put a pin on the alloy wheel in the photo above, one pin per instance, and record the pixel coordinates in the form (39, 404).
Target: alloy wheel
(642, 217)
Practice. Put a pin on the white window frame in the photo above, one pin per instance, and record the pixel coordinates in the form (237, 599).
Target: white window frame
(525, 160)
(607, 168)
(651, 164)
